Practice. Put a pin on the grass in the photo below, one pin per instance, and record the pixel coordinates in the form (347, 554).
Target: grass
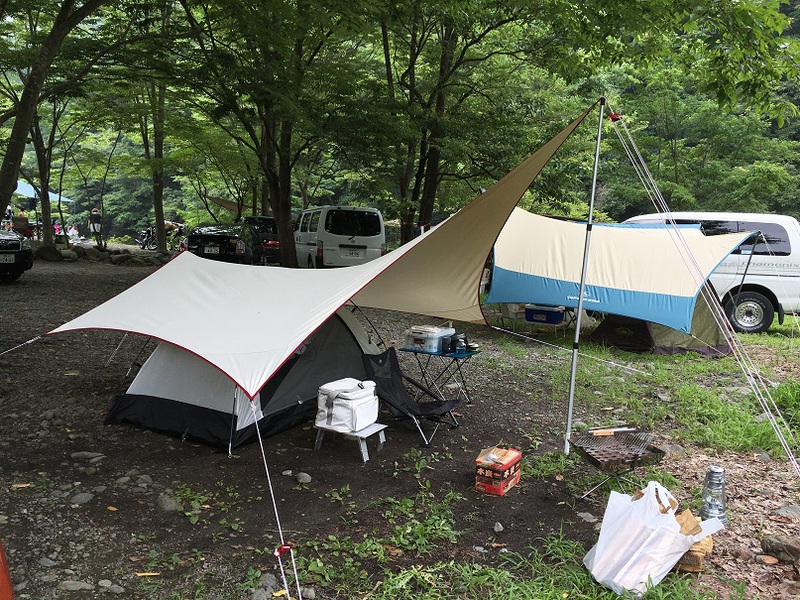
(703, 401)
(700, 401)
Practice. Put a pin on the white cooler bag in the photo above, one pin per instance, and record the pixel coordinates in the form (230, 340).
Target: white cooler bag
(346, 405)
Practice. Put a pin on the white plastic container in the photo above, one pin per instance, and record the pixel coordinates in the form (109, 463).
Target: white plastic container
(426, 338)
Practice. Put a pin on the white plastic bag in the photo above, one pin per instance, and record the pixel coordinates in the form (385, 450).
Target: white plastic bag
(640, 541)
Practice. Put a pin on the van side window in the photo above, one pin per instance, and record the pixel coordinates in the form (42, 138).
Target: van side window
(773, 241)
(351, 222)
(777, 239)
(304, 223)
(314, 221)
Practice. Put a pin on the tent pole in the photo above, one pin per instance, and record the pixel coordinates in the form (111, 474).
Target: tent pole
(576, 340)
(233, 422)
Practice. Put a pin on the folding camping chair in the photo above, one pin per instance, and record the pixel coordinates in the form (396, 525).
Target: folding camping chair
(390, 387)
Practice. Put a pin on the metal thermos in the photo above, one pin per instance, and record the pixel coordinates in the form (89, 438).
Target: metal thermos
(714, 494)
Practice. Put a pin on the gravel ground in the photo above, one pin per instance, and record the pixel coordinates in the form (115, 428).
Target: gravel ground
(88, 510)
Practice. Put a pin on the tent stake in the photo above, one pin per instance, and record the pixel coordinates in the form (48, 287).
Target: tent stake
(582, 287)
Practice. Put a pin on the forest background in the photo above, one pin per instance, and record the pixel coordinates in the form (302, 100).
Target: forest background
(168, 109)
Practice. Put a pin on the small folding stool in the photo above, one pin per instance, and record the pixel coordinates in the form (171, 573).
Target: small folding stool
(361, 435)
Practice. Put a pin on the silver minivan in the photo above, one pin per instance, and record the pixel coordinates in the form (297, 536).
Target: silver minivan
(339, 236)
(761, 277)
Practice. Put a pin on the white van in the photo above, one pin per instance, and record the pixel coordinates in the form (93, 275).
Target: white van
(762, 276)
(339, 236)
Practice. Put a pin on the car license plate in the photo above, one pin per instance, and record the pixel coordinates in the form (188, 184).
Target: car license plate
(211, 250)
(353, 253)
(7, 258)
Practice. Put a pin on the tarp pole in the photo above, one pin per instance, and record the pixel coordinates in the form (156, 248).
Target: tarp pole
(576, 340)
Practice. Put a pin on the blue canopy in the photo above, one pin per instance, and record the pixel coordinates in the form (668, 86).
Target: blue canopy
(27, 190)
(652, 273)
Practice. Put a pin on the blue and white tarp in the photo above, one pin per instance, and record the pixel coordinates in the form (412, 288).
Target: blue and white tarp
(649, 273)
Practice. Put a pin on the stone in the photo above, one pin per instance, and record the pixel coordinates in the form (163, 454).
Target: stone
(49, 254)
(47, 562)
(675, 450)
(790, 510)
(74, 586)
(762, 455)
(167, 503)
(783, 547)
(498, 527)
(303, 478)
(81, 498)
(120, 259)
(86, 455)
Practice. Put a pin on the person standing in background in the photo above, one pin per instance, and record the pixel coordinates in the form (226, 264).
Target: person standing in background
(95, 226)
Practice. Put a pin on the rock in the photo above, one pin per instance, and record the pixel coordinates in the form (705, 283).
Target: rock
(93, 253)
(480, 549)
(309, 593)
(762, 455)
(303, 478)
(167, 503)
(47, 562)
(74, 586)
(86, 455)
(81, 498)
(498, 527)
(675, 450)
(588, 517)
(790, 510)
(287, 472)
(783, 547)
(104, 583)
(69, 255)
(49, 254)
(120, 259)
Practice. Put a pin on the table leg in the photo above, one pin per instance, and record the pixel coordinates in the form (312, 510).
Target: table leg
(318, 441)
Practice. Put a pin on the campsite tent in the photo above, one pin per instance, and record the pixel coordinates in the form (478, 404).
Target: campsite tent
(652, 273)
(266, 314)
(635, 335)
(177, 393)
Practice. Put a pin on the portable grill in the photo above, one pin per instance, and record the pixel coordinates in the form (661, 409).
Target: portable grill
(616, 451)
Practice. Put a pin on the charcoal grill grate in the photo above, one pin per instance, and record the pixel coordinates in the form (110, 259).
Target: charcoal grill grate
(612, 450)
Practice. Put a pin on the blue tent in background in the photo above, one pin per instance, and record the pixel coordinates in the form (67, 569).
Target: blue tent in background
(28, 191)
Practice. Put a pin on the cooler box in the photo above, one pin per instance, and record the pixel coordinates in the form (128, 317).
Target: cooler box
(427, 338)
(497, 470)
(548, 315)
(346, 405)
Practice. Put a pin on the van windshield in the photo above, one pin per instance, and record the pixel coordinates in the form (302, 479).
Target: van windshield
(353, 222)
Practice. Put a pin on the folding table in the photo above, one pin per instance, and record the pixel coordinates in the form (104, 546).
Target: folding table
(439, 369)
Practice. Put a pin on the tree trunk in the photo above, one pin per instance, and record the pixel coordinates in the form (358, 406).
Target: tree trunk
(64, 23)
(158, 102)
(434, 155)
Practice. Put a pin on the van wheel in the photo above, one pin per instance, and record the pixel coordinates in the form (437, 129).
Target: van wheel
(750, 312)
